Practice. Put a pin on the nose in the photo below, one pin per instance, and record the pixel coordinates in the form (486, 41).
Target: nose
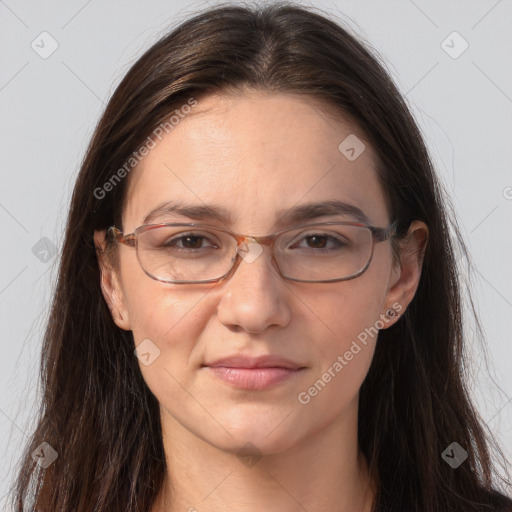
(255, 296)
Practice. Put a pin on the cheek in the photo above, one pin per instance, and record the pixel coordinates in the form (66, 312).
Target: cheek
(171, 317)
(345, 312)
(156, 310)
(173, 320)
(346, 318)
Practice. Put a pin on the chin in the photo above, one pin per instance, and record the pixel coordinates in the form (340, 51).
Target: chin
(254, 439)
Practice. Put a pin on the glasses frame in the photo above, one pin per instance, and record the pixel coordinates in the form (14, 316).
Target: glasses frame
(379, 234)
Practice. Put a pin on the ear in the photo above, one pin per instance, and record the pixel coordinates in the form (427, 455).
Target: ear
(111, 284)
(406, 277)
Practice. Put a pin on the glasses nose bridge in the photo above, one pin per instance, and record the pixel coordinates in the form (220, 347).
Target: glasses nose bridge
(268, 240)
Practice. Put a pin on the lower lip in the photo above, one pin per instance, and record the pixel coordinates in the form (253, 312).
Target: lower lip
(253, 378)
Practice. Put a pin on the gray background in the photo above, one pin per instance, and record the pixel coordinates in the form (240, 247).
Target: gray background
(49, 108)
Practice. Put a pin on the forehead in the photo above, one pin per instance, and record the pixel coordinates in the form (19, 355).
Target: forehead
(255, 154)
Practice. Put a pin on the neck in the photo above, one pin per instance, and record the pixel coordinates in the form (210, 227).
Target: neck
(326, 471)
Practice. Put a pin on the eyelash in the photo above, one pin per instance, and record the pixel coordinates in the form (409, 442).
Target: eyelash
(173, 242)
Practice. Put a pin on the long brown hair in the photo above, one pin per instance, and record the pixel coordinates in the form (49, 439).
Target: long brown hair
(97, 412)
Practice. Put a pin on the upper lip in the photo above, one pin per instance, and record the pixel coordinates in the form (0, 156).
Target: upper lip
(264, 361)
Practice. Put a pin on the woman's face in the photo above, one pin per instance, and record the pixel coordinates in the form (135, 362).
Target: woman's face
(255, 156)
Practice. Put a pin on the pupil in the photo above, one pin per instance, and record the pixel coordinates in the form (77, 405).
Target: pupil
(317, 239)
(196, 238)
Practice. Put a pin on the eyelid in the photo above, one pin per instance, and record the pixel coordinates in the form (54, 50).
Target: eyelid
(199, 226)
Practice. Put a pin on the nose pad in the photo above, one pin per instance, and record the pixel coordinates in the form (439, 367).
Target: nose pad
(249, 249)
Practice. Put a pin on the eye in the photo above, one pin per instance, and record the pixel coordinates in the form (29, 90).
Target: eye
(321, 242)
(188, 241)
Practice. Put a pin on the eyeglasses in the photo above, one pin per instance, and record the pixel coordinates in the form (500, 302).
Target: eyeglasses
(182, 253)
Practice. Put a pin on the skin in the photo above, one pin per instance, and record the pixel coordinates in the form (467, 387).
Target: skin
(254, 154)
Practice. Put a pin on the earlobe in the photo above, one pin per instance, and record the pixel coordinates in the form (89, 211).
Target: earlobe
(110, 285)
(412, 254)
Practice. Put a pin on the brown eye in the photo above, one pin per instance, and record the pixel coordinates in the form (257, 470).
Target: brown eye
(189, 241)
(320, 242)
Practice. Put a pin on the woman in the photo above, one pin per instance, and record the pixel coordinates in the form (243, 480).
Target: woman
(258, 304)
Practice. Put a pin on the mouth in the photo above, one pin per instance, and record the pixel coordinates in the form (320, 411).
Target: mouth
(254, 373)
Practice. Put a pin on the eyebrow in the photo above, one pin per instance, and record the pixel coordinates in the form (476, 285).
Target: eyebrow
(295, 214)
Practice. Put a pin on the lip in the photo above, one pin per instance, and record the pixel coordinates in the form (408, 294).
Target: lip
(264, 361)
(254, 373)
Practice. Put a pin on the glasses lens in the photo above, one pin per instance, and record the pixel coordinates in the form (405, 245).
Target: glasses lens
(324, 251)
(181, 253)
